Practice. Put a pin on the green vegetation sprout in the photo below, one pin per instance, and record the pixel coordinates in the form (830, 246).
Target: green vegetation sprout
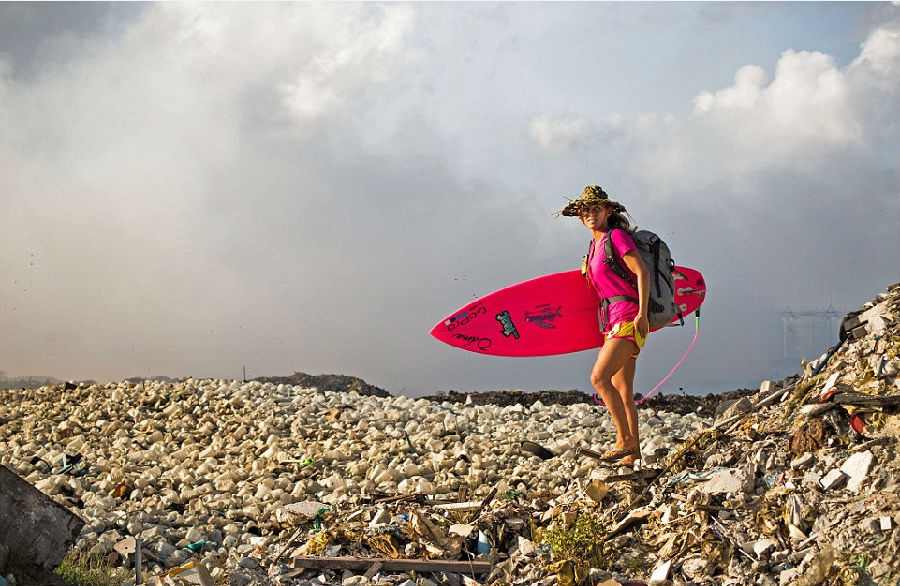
(90, 570)
(583, 541)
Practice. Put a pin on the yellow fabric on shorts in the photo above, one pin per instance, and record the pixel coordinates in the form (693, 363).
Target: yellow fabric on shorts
(625, 330)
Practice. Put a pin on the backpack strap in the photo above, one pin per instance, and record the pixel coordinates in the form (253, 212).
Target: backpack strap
(603, 311)
(612, 260)
(586, 262)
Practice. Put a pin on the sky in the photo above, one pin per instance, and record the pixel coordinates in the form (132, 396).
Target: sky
(191, 189)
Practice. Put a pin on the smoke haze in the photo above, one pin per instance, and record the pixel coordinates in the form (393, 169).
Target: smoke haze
(189, 188)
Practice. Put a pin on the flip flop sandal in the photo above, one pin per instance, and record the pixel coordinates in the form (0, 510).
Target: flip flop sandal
(617, 454)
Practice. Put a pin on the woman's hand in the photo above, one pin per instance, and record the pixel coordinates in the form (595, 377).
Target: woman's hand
(642, 325)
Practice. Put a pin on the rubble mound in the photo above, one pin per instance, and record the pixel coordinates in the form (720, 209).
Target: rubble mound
(337, 383)
(705, 406)
(505, 398)
(265, 483)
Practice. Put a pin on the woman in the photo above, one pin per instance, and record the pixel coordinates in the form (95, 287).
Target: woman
(623, 314)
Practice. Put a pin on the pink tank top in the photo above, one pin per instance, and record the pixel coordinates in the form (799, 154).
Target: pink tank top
(607, 283)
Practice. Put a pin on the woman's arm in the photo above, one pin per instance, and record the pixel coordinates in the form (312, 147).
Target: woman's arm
(636, 265)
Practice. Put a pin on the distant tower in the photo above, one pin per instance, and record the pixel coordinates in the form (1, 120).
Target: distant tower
(809, 333)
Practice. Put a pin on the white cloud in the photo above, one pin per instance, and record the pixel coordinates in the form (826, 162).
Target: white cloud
(806, 102)
(560, 134)
(363, 53)
(880, 53)
(743, 94)
(810, 111)
(555, 134)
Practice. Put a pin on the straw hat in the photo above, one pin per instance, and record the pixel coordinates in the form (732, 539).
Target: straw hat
(591, 196)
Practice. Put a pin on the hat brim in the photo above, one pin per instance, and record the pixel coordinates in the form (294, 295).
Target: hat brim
(574, 207)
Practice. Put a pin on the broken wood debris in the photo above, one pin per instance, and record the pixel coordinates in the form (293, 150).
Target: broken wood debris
(393, 565)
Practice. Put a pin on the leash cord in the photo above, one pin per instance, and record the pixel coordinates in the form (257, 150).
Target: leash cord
(671, 372)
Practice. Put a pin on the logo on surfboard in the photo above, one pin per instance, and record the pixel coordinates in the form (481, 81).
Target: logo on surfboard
(509, 328)
(464, 317)
(543, 315)
(481, 343)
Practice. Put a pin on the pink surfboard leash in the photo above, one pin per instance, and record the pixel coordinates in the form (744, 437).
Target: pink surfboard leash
(671, 372)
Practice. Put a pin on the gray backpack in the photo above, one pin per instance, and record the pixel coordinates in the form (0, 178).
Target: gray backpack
(658, 259)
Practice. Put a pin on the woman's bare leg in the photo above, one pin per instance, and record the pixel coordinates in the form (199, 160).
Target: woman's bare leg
(623, 381)
(613, 356)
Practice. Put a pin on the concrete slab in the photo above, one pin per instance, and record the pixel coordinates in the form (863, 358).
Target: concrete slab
(33, 526)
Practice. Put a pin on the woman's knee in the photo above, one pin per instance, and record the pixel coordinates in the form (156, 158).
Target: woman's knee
(602, 382)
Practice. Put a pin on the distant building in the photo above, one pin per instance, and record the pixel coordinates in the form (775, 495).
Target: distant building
(801, 335)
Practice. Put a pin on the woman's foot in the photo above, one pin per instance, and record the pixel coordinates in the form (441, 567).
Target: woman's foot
(620, 455)
(630, 459)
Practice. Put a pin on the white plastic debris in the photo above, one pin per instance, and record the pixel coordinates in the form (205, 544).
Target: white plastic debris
(526, 546)
(763, 546)
(730, 480)
(802, 461)
(832, 479)
(856, 467)
(830, 381)
(660, 574)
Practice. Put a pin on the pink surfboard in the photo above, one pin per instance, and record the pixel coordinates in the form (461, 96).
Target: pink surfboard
(553, 314)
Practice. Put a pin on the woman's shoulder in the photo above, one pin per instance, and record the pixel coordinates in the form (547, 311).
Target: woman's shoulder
(622, 239)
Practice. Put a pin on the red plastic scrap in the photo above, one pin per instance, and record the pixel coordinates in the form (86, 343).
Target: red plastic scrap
(828, 394)
(857, 423)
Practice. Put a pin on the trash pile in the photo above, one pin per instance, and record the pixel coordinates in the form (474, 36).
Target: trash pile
(796, 484)
(198, 470)
(214, 482)
(505, 398)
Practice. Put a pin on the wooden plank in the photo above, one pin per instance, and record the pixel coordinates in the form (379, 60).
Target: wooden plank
(138, 578)
(858, 399)
(373, 569)
(415, 496)
(422, 498)
(466, 506)
(393, 565)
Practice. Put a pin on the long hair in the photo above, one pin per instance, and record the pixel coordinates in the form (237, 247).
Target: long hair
(618, 220)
